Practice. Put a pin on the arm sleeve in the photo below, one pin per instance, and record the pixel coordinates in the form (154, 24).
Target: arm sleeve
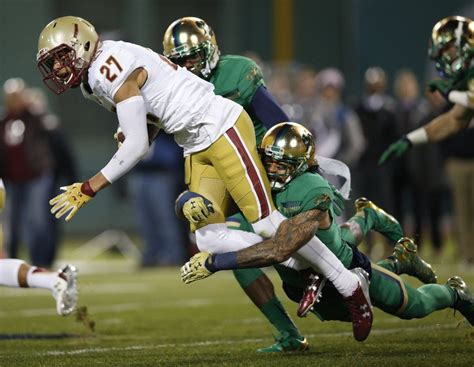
(131, 114)
(266, 108)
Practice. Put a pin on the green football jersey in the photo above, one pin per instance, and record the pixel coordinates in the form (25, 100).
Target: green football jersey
(238, 78)
(304, 193)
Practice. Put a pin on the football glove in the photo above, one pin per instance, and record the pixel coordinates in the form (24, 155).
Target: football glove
(195, 268)
(71, 200)
(195, 207)
(395, 150)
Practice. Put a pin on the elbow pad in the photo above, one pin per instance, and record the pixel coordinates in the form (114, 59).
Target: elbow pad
(131, 114)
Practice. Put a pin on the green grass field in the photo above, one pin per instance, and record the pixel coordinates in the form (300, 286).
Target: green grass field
(149, 318)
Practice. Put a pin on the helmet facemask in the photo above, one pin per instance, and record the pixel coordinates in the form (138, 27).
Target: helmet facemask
(66, 48)
(281, 169)
(61, 69)
(199, 57)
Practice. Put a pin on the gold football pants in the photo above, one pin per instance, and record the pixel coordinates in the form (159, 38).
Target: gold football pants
(230, 171)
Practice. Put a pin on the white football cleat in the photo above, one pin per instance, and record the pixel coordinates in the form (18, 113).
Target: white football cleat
(65, 291)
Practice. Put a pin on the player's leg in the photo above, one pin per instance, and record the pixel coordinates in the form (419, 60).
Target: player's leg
(370, 217)
(391, 294)
(17, 273)
(260, 290)
(405, 260)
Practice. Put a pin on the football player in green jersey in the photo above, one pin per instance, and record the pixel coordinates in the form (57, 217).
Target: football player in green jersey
(452, 49)
(191, 43)
(307, 200)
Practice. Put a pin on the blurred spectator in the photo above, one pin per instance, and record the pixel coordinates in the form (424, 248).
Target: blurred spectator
(459, 153)
(418, 176)
(154, 185)
(409, 111)
(64, 166)
(335, 125)
(26, 165)
(377, 117)
(430, 175)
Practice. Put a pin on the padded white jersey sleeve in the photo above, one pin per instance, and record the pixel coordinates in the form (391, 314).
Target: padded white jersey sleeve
(131, 114)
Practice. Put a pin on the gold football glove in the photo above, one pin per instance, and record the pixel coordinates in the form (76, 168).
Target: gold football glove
(71, 200)
(195, 268)
(197, 209)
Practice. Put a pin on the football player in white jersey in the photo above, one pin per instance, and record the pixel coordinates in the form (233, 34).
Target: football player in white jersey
(18, 274)
(216, 134)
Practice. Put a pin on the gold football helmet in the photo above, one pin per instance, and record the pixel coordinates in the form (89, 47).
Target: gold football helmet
(191, 43)
(66, 47)
(452, 45)
(290, 145)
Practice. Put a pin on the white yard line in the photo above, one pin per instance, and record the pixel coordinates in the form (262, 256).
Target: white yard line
(236, 341)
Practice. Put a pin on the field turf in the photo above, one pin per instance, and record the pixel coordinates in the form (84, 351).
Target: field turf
(149, 318)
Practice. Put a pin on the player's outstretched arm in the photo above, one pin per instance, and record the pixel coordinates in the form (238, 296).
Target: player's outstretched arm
(291, 235)
(440, 128)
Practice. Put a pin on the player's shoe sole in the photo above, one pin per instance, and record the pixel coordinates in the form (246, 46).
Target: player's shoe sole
(311, 295)
(65, 291)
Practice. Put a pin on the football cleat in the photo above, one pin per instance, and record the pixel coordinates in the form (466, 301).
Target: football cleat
(464, 298)
(65, 291)
(385, 223)
(286, 343)
(407, 261)
(359, 306)
(311, 295)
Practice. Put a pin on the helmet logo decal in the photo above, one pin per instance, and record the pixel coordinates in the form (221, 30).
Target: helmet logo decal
(458, 33)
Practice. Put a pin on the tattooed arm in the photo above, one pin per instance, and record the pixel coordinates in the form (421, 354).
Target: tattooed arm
(292, 234)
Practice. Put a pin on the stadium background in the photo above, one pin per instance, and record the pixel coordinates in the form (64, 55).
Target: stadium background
(349, 34)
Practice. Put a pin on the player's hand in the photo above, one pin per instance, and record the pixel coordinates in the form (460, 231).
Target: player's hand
(195, 207)
(70, 201)
(195, 268)
(395, 150)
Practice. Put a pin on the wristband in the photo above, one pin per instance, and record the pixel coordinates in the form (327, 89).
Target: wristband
(225, 261)
(87, 189)
(418, 136)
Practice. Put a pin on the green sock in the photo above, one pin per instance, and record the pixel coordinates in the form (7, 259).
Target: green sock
(427, 299)
(273, 309)
(277, 315)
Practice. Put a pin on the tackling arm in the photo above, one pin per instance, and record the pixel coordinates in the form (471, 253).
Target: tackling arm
(291, 235)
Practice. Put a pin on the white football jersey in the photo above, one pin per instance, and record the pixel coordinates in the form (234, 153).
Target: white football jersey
(184, 104)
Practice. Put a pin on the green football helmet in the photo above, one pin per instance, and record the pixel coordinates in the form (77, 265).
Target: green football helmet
(292, 147)
(191, 43)
(452, 46)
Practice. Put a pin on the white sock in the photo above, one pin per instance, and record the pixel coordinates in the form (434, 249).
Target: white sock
(218, 238)
(41, 279)
(9, 272)
(327, 264)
